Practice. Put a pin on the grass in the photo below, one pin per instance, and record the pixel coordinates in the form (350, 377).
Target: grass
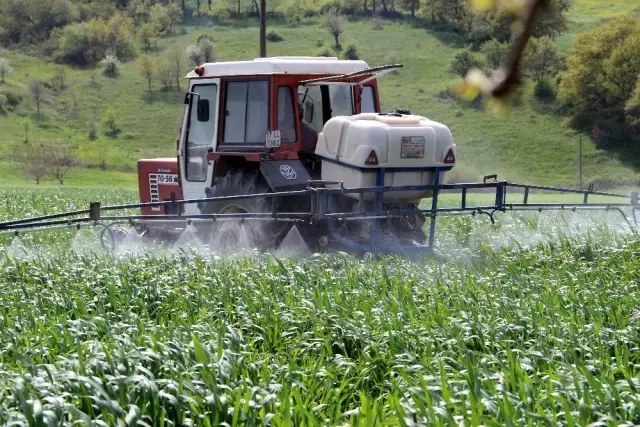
(531, 143)
(587, 14)
(543, 336)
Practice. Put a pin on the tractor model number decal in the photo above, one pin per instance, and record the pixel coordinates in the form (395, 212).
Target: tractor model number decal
(273, 139)
(166, 178)
(288, 172)
(412, 147)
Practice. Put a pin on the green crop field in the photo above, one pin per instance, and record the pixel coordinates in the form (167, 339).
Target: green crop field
(547, 335)
(533, 320)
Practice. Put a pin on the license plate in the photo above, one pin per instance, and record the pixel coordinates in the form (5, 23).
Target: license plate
(412, 147)
(273, 139)
(167, 178)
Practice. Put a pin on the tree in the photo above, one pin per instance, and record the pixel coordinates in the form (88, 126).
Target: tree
(160, 19)
(175, 16)
(92, 129)
(450, 12)
(622, 68)
(410, 5)
(202, 52)
(194, 54)
(32, 21)
(109, 122)
(60, 77)
(147, 68)
(495, 53)
(463, 62)
(207, 49)
(33, 159)
(165, 73)
(5, 69)
(37, 89)
(84, 43)
(45, 159)
(139, 11)
(119, 36)
(541, 60)
(62, 160)
(148, 36)
(602, 70)
(176, 59)
(632, 110)
(553, 20)
(495, 23)
(26, 126)
(333, 23)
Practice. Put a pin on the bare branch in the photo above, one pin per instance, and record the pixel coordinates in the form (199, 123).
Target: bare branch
(505, 81)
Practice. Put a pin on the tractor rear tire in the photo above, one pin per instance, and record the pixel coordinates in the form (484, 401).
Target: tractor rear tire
(259, 233)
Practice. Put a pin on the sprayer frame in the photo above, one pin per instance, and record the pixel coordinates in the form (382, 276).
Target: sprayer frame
(322, 203)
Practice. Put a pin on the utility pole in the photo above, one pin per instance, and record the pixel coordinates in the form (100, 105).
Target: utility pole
(263, 29)
(580, 162)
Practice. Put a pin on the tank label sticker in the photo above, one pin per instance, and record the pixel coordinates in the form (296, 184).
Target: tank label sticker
(288, 172)
(273, 139)
(412, 147)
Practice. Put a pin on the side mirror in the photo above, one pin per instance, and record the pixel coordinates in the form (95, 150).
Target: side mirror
(203, 110)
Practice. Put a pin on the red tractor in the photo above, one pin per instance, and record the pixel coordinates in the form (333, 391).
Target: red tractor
(281, 124)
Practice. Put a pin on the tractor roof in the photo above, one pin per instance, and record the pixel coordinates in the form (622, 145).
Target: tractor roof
(281, 65)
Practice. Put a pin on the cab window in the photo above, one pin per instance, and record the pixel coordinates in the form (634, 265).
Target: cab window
(246, 112)
(341, 98)
(368, 100)
(311, 107)
(286, 117)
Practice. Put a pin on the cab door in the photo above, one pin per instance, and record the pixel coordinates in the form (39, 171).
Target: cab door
(199, 136)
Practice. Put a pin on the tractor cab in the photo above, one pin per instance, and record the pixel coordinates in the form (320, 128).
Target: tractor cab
(244, 111)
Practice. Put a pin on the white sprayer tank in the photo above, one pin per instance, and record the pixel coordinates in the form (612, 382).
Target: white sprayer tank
(399, 141)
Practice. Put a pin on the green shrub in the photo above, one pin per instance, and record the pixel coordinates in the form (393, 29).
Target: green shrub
(545, 90)
(92, 129)
(110, 123)
(274, 37)
(351, 52)
(13, 98)
(111, 66)
(495, 53)
(325, 52)
(82, 43)
(463, 62)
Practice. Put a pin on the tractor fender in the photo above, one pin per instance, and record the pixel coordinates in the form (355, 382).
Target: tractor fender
(284, 175)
